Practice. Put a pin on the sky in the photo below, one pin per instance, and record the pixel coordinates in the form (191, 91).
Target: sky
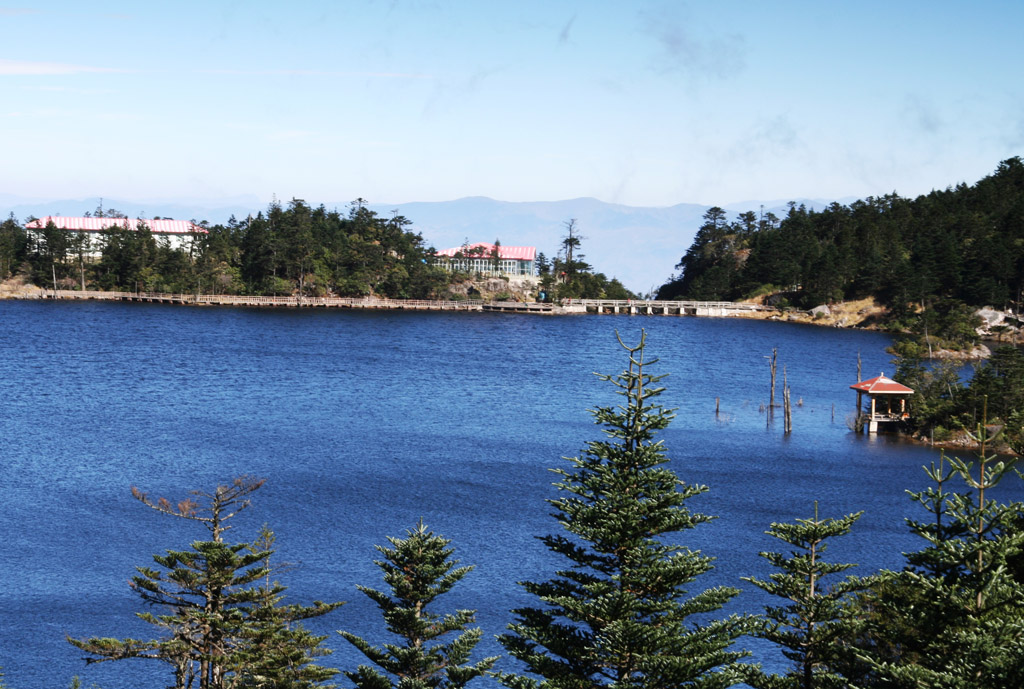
(644, 103)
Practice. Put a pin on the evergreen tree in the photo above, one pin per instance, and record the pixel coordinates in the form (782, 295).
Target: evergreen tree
(275, 650)
(14, 245)
(496, 256)
(211, 599)
(619, 615)
(543, 264)
(417, 569)
(570, 246)
(955, 617)
(810, 628)
(709, 265)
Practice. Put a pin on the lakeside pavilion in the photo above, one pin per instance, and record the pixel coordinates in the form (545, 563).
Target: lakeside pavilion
(888, 402)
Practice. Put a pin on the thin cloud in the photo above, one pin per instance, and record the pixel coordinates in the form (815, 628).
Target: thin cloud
(774, 138)
(923, 114)
(35, 69)
(681, 49)
(54, 113)
(294, 134)
(563, 37)
(312, 73)
(70, 89)
(443, 93)
(1014, 138)
(16, 11)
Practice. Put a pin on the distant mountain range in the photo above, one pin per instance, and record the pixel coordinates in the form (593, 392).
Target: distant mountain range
(638, 245)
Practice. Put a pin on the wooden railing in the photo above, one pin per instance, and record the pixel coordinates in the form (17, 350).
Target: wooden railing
(656, 304)
(635, 306)
(258, 300)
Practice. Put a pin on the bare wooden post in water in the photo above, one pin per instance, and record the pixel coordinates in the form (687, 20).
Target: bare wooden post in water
(787, 410)
(772, 366)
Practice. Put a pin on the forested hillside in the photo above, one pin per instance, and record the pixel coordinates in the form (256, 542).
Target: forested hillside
(964, 243)
(287, 250)
(293, 249)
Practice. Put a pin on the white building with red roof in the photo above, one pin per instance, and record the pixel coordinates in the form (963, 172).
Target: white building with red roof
(178, 233)
(489, 259)
(888, 402)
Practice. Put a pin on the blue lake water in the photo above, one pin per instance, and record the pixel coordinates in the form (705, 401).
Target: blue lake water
(364, 422)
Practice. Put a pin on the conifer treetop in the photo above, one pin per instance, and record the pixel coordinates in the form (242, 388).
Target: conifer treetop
(222, 504)
(435, 649)
(619, 614)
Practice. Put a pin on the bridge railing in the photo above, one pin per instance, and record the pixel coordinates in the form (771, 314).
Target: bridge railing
(658, 304)
(372, 302)
(258, 300)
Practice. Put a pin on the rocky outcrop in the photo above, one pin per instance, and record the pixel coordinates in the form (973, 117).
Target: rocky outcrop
(513, 288)
(976, 353)
(863, 313)
(17, 288)
(999, 325)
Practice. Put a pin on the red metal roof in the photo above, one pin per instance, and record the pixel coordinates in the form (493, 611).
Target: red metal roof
(880, 385)
(518, 253)
(100, 224)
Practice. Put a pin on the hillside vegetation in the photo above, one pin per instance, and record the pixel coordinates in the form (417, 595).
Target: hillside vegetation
(964, 243)
(287, 250)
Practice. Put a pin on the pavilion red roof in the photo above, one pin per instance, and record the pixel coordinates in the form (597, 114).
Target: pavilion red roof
(518, 253)
(100, 224)
(881, 385)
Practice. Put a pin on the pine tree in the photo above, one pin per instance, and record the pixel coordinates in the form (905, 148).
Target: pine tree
(955, 617)
(810, 628)
(619, 615)
(209, 594)
(275, 651)
(417, 569)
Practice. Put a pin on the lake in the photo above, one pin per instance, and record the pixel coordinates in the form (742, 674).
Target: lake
(363, 423)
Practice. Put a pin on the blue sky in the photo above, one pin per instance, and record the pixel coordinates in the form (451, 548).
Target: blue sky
(642, 103)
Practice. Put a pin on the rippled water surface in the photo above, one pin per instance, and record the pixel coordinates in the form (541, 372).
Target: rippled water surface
(362, 423)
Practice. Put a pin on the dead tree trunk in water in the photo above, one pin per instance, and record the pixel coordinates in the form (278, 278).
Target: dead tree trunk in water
(787, 411)
(772, 366)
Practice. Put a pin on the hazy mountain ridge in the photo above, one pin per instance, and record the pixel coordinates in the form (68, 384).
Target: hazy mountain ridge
(637, 244)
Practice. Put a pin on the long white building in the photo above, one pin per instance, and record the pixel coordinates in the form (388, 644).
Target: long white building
(179, 233)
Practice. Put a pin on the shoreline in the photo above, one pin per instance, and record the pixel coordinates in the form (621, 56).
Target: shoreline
(567, 307)
(858, 315)
(863, 314)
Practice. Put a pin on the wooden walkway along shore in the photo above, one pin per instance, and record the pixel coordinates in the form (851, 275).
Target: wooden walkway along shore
(568, 306)
(292, 302)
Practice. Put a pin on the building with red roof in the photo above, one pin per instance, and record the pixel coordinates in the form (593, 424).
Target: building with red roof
(888, 402)
(489, 259)
(178, 233)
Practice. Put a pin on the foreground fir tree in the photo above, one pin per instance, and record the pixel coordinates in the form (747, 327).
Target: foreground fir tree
(620, 615)
(417, 569)
(275, 651)
(955, 617)
(811, 628)
(213, 613)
